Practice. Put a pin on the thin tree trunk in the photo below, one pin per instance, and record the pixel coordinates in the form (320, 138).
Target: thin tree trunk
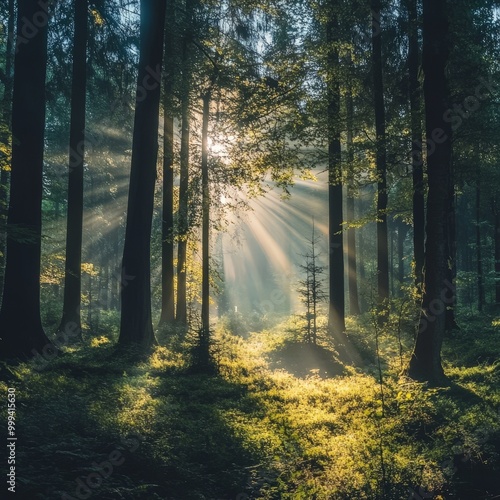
(496, 237)
(425, 361)
(381, 159)
(402, 229)
(136, 324)
(351, 232)
(183, 222)
(416, 137)
(336, 317)
(72, 274)
(20, 322)
(5, 138)
(451, 249)
(392, 236)
(167, 264)
(204, 335)
(480, 277)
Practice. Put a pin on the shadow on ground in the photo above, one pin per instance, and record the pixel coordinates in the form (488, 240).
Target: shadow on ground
(303, 359)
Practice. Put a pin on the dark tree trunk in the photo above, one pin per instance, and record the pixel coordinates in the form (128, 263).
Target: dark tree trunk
(425, 362)
(5, 139)
(183, 222)
(402, 229)
(416, 137)
(392, 236)
(167, 262)
(381, 158)
(496, 237)
(136, 324)
(351, 232)
(72, 275)
(20, 323)
(451, 250)
(480, 277)
(205, 239)
(336, 317)
(336, 309)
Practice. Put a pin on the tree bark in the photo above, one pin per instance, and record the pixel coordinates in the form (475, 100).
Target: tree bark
(5, 139)
(480, 277)
(425, 361)
(204, 335)
(72, 274)
(402, 229)
(351, 232)
(167, 264)
(381, 158)
(183, 222)
(136, 324)
(496, 237)
(416, 137)
(336, 317)
(20, 323)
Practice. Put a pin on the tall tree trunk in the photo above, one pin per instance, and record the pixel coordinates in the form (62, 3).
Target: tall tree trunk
(204, 335)
(351, 232)
(183, 222)
(480, 277)
(20, 322)
(136, 324)
(5, 138)
(381, 158)
(167, 262)
(425, 361)
(402, 229)
(451, 249)
(496, 237)
(416, 137)
(336, 317)
(392, 236)
(72, 274)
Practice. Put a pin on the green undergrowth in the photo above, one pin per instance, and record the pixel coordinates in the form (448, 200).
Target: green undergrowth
(279, 420)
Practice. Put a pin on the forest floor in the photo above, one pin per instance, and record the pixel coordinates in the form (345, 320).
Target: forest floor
(280, 420)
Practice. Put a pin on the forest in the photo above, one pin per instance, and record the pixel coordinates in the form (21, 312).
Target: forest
(250, 249)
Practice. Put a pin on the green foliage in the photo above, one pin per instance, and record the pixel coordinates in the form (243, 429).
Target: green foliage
(259, 428)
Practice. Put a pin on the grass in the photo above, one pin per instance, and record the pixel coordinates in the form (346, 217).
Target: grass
(280, 420)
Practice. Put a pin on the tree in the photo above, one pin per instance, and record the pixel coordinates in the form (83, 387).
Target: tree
(20, 323)
(136, 324)
(425, 362)
(167, 264)
(311, 289)
(183, 215)
(72, 274)
(416, 137)
(5, 138)
(336, 315)
(381, 156)
(496, 238)
(351, 232)
(204, 334)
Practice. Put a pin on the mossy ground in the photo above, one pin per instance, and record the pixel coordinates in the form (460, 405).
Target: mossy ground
(280, 420)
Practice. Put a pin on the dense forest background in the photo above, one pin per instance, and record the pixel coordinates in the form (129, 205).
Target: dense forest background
(250, 249)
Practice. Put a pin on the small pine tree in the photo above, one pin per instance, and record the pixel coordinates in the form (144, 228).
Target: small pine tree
(311, 289)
